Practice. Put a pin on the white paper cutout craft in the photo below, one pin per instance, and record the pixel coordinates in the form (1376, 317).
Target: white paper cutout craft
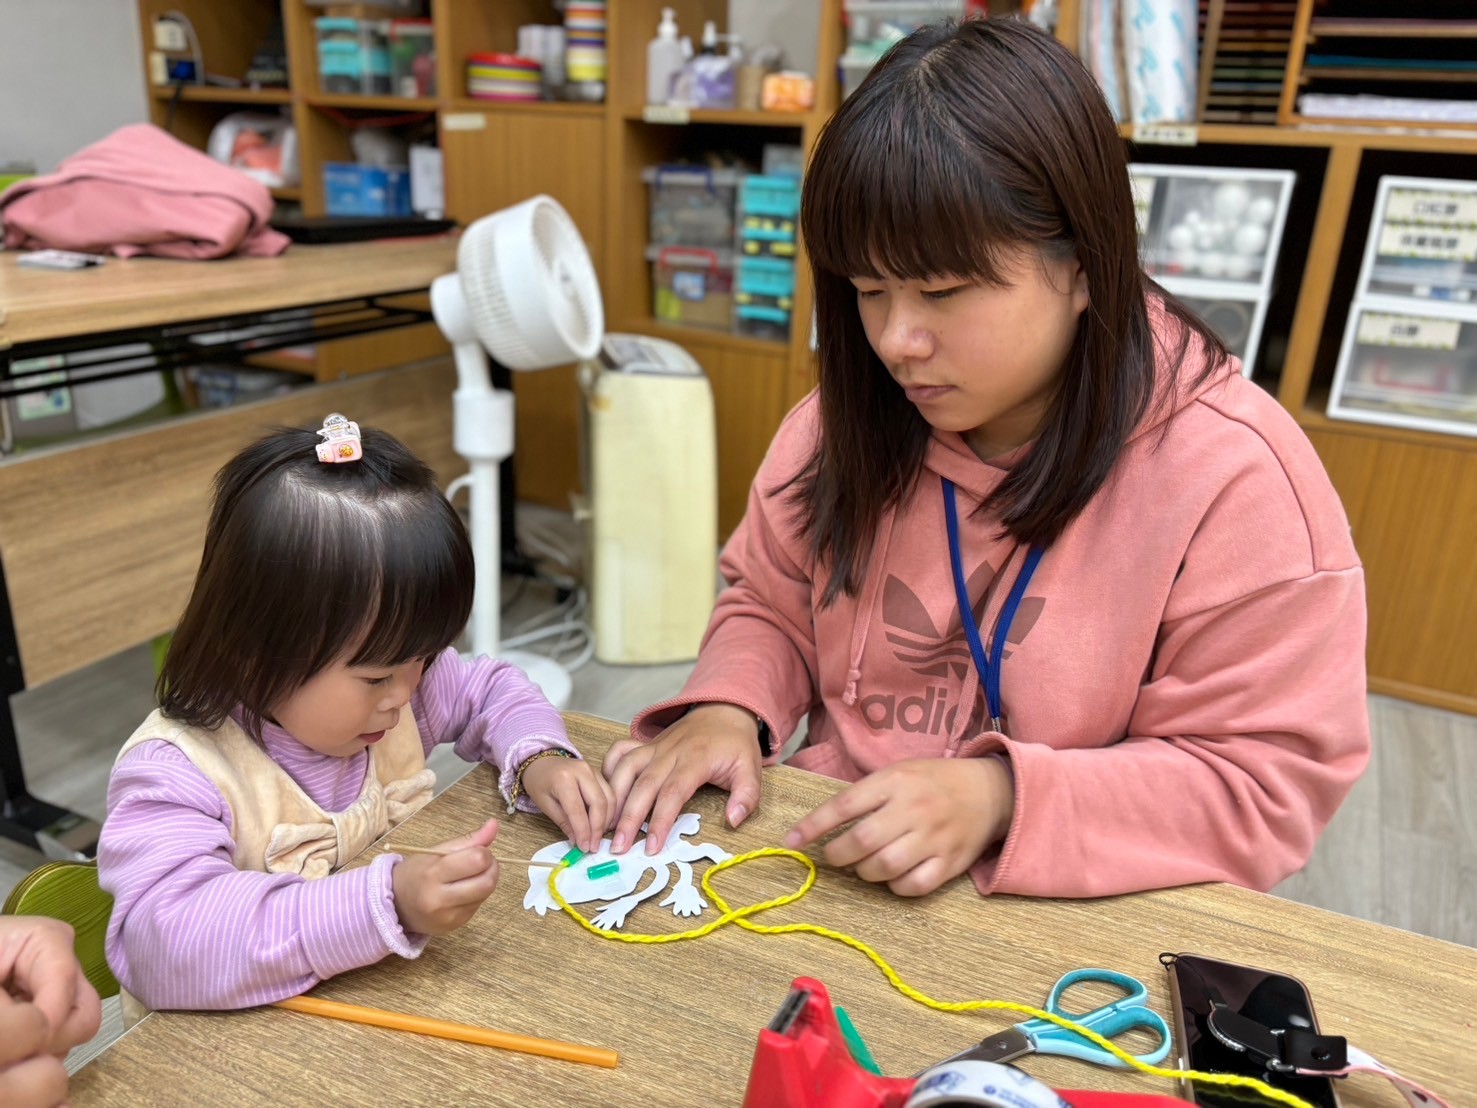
(577, 887)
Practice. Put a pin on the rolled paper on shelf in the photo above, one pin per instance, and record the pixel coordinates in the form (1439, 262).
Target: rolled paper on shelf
(1159, 49)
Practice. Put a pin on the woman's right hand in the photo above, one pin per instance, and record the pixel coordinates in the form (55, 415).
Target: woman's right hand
(715, 744)
(436, 894)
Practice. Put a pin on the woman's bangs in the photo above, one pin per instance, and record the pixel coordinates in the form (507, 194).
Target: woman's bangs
(904, 199)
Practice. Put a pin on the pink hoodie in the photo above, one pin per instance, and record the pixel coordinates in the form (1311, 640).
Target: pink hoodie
(1184, 684)
(141, 191)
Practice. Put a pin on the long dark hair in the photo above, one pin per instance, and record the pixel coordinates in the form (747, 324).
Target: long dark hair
(966, 140)
(304, 561)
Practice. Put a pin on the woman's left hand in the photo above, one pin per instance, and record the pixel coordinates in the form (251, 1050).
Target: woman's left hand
(917, 824)
(572, 793)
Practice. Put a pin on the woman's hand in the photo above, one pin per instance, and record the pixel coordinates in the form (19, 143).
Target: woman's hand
(46, 1008)
(915, 824)
(713, 744)
(572, 793)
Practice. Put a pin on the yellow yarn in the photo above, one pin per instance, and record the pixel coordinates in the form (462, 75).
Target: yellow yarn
(741, 916)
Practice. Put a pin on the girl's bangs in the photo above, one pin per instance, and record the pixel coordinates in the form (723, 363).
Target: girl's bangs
(905, 198)
(424, 594)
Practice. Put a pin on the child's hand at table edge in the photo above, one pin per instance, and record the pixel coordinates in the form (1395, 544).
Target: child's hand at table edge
(437, 893)
(572, 793)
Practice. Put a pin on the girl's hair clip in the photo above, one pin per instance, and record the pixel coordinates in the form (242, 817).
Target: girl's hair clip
(340, 440)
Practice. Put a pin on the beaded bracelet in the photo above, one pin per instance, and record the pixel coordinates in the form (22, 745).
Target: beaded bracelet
(517, 790)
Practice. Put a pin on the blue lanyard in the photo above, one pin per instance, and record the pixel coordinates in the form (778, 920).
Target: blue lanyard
(989, 668)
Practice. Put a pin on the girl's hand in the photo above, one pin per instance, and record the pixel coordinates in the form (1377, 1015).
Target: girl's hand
(574, 795)
(436, 894)
(918, 823)
(713, 744)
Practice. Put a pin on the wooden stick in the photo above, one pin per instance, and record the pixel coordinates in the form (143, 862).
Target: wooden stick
(460, 1032)
(406, 848)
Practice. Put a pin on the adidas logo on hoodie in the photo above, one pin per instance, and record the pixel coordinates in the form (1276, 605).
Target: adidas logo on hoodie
(929, 652)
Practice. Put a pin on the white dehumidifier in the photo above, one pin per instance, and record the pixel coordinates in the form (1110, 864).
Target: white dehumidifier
(651, 462)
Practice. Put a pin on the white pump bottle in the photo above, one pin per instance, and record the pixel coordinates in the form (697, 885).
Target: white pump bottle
(664, 58)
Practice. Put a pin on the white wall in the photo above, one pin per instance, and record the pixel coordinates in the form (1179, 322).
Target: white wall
(71, 71)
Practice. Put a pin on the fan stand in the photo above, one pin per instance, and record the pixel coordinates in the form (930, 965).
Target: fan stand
(482, 433)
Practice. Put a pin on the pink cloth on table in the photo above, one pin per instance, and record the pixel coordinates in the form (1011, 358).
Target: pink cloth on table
(142, 191)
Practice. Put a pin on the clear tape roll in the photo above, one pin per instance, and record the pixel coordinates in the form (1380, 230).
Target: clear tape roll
(984, 1084)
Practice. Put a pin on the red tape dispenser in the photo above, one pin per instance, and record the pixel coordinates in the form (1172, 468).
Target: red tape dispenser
(804, 1060)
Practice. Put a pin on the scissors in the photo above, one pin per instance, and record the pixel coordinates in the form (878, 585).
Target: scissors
(1043, 1037)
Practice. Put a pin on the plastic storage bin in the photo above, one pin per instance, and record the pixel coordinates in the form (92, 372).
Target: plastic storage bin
(765, 298)
(692, 206)
(777, 196)
(1230, 319)
(220, 386)
(768, 210)
(1409, 370)
(365, 190)
(1211, 236)
(692, 286)
(1213, 224)
(1423, 243)
(874, 26)
(853, 72)
(1409, 355)
(413, 57)
(353, 55)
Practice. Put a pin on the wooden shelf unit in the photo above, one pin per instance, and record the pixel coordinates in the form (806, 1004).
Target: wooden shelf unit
(214, 94)
(1311, 29)
(1411, 497)
(587, 156)
(364, 103)
(1390, 28)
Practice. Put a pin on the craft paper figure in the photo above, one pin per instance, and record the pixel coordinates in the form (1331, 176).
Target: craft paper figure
(618, 885)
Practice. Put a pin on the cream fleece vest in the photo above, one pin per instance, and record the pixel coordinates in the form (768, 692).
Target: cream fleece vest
(277, 827)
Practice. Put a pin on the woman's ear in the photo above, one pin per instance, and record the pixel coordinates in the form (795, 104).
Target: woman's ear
(1081, 297)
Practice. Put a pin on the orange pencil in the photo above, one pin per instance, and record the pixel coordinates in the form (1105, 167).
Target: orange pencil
(461, 1032)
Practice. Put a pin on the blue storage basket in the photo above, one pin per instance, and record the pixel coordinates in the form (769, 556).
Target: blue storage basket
(773, 196)
(766, 277)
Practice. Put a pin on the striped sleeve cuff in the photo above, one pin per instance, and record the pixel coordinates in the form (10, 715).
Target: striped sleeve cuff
(520, 752)
(349, 920)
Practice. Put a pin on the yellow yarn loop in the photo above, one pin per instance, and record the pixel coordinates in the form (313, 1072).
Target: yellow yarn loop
(741, 916)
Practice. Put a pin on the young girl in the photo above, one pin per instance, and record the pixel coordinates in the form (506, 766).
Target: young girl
(1070, 601)
(309, 677)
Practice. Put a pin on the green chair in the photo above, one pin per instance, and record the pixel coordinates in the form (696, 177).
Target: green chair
(69, 891)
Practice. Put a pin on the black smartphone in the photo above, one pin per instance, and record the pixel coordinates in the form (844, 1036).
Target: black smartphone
(1274, 1000)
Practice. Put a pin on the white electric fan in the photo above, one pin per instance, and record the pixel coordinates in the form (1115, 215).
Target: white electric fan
(525, 290)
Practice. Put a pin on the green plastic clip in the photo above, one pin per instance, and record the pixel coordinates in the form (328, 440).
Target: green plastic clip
(571, 857)
(859, 1052)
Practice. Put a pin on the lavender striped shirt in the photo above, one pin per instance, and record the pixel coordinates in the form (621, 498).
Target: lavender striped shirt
(190, 930)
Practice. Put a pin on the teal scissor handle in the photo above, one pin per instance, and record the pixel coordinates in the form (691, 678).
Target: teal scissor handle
(1109, 1021)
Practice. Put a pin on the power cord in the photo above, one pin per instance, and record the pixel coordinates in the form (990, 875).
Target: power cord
(196, 54)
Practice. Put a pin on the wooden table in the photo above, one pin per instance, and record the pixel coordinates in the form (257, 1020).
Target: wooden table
(121, 295)
(686, 1016)
(185, 312)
